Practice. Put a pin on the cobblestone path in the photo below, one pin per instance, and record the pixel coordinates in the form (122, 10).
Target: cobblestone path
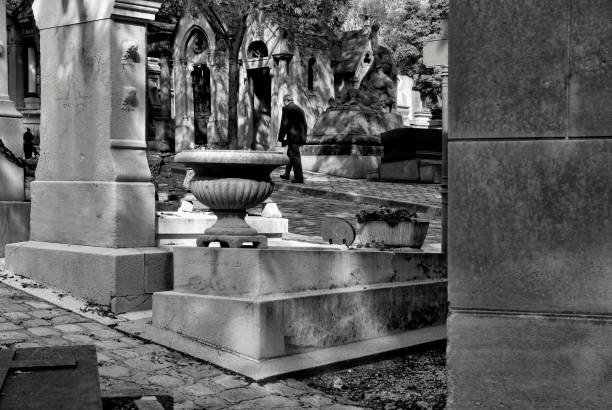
(305, 214)
(131, 367)
(425, 194)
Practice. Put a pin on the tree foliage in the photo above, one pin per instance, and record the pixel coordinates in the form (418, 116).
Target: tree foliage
(404, 27)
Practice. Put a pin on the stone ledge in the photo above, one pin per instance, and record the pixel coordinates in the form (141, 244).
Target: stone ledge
(347, 166)
(277, 325)
(119, 277)
(274, 271)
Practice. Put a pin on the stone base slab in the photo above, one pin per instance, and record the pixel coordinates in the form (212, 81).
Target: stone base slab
(183, 229)
(263, 370)
(14, 223)
(521, 360)
(414, 170)
(347, 166)
(251, 273)
(281, 324)
(123, 278)
(94, 213)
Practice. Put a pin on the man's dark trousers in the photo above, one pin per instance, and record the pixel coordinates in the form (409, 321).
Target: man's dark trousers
(295, 162)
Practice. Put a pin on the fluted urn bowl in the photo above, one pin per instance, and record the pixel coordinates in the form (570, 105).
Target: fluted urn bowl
(229, 182)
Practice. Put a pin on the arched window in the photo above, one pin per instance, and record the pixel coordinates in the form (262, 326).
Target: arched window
(257, 49)
(196, 46)
(311, 65)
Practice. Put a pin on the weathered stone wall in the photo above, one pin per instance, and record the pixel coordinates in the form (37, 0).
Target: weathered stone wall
(291, 77)
(529, 216)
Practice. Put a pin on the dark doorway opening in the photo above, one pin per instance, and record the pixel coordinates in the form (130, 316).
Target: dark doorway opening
(200, 79)
(261, 86)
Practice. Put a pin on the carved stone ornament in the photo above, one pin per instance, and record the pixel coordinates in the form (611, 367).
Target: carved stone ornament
(130, 53)
(129, 98)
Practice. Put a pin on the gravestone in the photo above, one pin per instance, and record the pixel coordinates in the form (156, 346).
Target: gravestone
(61, 377)
(345, 140)
(92, 202)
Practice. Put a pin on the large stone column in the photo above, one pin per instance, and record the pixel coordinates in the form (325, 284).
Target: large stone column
(530, 215)
(92, 188)
(14, 212)
(11, 126)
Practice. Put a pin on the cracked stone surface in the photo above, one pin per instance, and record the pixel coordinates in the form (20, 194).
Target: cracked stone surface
(132, 367)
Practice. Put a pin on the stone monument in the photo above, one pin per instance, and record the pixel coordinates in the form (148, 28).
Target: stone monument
(345, 140)
(93, 207)
(529, 215)
(14, 212)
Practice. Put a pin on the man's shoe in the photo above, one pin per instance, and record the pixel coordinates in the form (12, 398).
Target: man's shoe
(283, 176)
(297, 181)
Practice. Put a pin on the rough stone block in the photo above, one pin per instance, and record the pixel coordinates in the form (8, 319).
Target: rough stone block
(14, 223)
(348, 166)
(590, 69)
(158, 270)
(105, 214)
(400, 170)
(530, 225)
(274, 325)
(528, 362)
(252, 272)
(122, 304)
(94, 273)
(249, 327)
(520, 90)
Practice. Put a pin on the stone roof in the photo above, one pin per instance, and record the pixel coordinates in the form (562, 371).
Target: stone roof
(353, 45)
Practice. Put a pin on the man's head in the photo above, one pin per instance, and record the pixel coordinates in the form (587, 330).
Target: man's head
(28, 129)
(287, 99)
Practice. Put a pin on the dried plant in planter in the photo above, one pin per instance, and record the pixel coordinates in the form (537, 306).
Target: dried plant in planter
(391, 227)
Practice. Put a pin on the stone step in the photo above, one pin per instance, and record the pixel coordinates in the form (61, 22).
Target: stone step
(274, 271)
(277, 325)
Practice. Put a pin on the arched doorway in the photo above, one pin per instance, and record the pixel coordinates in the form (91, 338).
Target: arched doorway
(260, 90)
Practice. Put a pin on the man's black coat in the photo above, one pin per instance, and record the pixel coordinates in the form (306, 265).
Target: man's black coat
(293, 126)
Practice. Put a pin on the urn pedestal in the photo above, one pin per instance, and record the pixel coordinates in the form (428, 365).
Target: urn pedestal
(229, 182)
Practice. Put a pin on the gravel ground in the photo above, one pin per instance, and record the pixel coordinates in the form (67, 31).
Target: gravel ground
(414, 380)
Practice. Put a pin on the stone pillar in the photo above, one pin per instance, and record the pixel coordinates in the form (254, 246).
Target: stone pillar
(529, 212)
(93, 192)
(11, 126)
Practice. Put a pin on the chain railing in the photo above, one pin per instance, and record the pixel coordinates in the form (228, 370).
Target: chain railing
(11, 157)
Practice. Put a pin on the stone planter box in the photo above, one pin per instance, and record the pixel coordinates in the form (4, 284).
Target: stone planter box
(405, 233)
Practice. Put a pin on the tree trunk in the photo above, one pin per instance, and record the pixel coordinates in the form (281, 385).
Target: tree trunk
(232, 98)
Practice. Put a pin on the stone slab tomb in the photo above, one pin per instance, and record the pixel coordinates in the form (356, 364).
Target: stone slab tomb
(265, 303)
(59, 377)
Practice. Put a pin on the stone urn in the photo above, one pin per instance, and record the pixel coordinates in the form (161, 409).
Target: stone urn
(229, 182)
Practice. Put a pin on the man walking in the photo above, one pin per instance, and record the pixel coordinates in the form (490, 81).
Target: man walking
(29, 149)
(292, 134)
